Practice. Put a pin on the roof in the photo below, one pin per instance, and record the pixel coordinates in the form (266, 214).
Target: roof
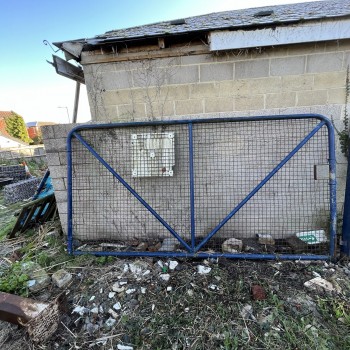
(6, 114)
(246, 18)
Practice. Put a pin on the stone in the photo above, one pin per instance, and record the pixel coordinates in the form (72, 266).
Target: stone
(169, 245)
(247, 312)
(155, 247)
(110, 322)
(202, 270)
(39, 279)
(258, 292)
(142, 247)
(61, 278)
(319, 284)
(124, 347)
(117, 306)
(265, 238)
(81, 310)
(173, 264)
(111, 295)
(232, 245)
(165, 277)
(297, 244)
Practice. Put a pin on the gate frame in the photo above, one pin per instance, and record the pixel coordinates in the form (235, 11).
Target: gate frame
(193, 250)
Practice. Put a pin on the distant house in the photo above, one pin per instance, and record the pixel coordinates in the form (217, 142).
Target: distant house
(7, 141)
(3, 116)
(34, 128)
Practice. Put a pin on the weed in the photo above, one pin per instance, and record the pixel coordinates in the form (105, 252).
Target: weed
(14, 281)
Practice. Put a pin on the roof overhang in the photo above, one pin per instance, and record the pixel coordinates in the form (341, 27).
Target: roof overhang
(280, 35)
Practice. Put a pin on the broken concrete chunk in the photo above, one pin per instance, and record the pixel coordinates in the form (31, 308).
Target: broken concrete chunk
(265, 238)
(297, 244)
(39, 279)
(320, 284)
(173, 264)
(124, 347)
(203, 269)
(110, 322)
(142, 247)
(165, 277)
(61, 278)
(232, 245)
(169, 245)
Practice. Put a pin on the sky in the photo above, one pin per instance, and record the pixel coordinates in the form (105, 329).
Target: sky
(30, 86)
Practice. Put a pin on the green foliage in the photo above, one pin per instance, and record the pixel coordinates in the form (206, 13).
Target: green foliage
(16, 127)
(7, 228)
(14, 281)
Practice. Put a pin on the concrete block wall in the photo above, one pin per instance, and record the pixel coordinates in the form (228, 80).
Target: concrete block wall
(249, 80)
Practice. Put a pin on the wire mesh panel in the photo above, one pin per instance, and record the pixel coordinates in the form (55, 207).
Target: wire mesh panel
(246, 187)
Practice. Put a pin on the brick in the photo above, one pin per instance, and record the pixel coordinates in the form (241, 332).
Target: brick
(188, 107)
(337, 96)
(235, 88)
(286, 99)
(218, 105)
(325, 62)
(47, 132)
(329, 80)
(61, 196)
(252, 69)
(249, 103)
(303, 49)
(309, 98)
(297, 82)
(264, 85)
(216, 72)
(196, 59)
(346, 62)
(55, 145)
(61, 130)
(62, 208)
(115, 80)
(53, 159)
(134, 110)
(201, 90)
(59, 185)
(152, 76)
(63, 158)
(160, 109)
(184, 75)
(58, 171)
(287, 65)
(181, 92)
(117, 97)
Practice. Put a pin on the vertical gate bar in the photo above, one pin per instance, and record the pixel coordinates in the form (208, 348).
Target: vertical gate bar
(345, 246)
(260, 185)
(69, 194)
(193, 223)
(132, 191)
(332, 190)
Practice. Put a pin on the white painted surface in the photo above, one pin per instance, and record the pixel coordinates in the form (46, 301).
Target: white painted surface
(291, 34)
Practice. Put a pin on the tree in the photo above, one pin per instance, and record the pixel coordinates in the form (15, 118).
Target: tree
(16, 127)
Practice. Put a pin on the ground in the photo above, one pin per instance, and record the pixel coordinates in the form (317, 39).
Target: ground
(146, 303)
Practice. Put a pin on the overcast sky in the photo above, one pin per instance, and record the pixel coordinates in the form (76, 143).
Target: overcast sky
(30, 86)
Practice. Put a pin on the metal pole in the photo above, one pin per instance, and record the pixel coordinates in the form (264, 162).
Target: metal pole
(76, 102)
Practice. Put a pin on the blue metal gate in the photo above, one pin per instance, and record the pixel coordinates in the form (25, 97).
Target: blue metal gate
(231, 187)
